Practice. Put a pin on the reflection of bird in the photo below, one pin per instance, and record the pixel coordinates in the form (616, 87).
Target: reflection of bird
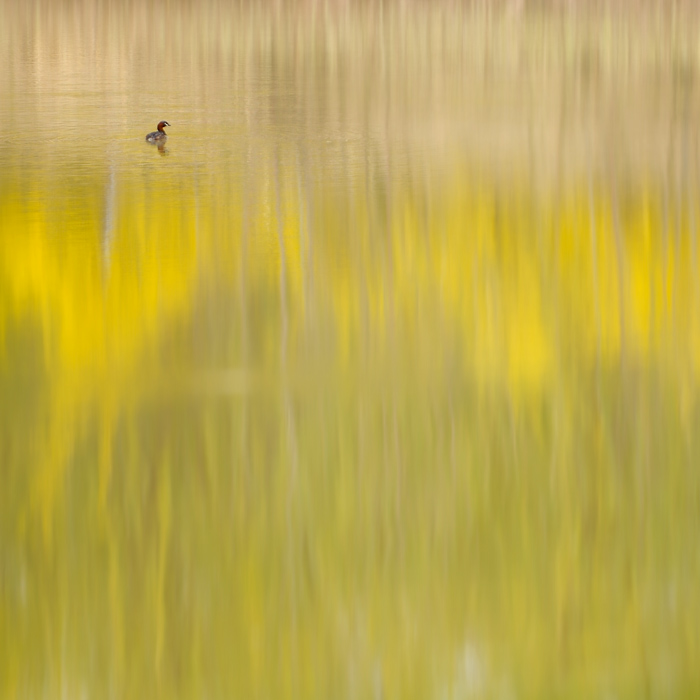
(160, 135)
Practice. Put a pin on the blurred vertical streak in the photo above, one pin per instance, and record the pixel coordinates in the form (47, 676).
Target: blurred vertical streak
(293, 550)
(593, 229)
(620, 257)
(108, 224)
(244, 430)
(165, 521)
(624, 420)
(117, 613)
(197, 220)
(246, 219)
(305, 198)
(290, 432)
(690, 153)
(671, 187)
(677, 174)
(284, 314)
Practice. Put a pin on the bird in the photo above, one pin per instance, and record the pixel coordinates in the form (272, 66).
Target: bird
(160, 135)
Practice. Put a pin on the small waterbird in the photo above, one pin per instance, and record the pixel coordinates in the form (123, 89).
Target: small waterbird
(160, 135)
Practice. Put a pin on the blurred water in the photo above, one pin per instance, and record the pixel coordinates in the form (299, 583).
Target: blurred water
(378, 380)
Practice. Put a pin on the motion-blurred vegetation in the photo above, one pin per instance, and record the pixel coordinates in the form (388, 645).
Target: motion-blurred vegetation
(381, 380)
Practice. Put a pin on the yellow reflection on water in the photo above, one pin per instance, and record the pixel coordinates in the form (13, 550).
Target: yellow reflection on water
(333, 398)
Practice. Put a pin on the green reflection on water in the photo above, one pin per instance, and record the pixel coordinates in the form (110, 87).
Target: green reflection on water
(337, 414)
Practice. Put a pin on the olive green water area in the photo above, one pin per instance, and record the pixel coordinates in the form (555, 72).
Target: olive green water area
(380, 379)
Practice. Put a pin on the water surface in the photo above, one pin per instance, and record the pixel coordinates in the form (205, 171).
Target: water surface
(379, 380)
